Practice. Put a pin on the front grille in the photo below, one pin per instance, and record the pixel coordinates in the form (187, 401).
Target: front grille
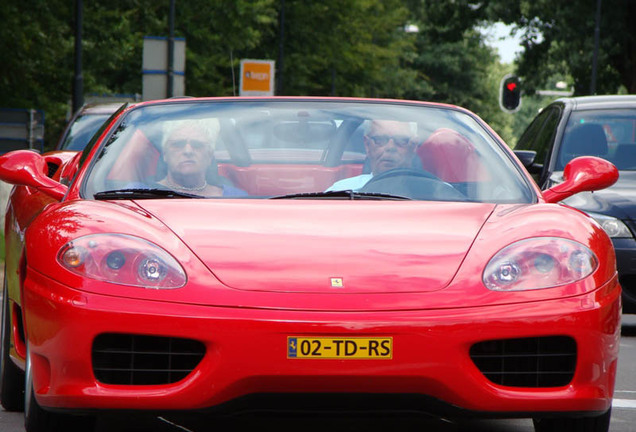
(527, 362)
(144, 360)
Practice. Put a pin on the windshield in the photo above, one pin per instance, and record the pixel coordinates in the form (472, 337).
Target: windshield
(607, 133)
(304, 149)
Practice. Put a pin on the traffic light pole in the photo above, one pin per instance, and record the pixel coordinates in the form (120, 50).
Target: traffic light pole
(597, 33)
(170, 82)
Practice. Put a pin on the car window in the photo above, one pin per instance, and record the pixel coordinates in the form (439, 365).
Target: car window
(82, 130)
(607, 133)
(539, 136)
(268, 149)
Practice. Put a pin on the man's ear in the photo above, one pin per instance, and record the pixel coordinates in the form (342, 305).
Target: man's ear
(366, 143)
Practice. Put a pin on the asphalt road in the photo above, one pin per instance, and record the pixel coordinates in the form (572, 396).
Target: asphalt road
(623, 413)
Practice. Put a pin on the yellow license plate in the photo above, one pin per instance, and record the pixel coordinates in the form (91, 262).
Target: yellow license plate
(301, 347)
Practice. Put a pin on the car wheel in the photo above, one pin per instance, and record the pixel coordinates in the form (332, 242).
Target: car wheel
(581, 424)
(11, 376)
(37, 419)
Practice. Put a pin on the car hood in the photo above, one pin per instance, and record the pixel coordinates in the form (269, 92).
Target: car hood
(619, 200)
(321, 246)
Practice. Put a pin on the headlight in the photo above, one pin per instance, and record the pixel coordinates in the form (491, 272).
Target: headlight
(542, 262)
(122, 259)
(614, 227)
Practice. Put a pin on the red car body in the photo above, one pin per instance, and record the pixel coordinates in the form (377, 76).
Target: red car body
(306, 296)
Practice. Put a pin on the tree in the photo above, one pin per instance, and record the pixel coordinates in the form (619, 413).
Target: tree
(350, 48)
(558, 37)
(453, 63)
(37, 46)
(331, 47)
(218, 34)
(37, 61)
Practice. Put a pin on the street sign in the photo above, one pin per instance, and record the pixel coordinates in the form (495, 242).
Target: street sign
(257, 78)
(155, 68)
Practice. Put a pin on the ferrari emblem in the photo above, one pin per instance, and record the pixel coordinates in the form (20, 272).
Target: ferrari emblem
(337, 282)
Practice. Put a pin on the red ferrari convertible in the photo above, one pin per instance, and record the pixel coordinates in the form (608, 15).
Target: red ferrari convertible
(304, 253)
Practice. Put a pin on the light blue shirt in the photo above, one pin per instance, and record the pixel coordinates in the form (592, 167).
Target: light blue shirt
(351, 183)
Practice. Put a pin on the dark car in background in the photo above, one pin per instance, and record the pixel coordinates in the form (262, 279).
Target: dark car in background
(83, 125)
(603, 126)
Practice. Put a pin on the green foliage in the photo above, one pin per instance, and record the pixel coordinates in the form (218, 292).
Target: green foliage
(558, 36)
(218, 34)
(354, 48)
(453, 63)
(36, 46)
(330, 47)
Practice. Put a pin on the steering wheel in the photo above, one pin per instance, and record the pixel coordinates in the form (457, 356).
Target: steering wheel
(414, 184)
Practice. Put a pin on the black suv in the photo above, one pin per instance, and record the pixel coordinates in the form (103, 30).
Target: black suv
(603, 126)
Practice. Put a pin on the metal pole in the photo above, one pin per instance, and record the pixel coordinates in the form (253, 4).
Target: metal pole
(281, 54)
(170, 86)
(78, 81)
(31, 133)
(597, 36)
(333, 80)
(233, 77)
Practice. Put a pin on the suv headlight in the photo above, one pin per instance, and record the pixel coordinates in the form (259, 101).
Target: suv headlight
(615, 228)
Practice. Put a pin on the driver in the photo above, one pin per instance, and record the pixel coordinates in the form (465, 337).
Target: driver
(389, 144)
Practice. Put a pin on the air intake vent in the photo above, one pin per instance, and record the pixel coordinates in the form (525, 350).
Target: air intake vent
(144, 360)
(527, 362)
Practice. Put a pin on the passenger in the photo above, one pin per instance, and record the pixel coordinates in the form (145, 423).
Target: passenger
(389, 145)
(188, 152)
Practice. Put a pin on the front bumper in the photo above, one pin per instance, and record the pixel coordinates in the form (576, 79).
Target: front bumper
(246, 352)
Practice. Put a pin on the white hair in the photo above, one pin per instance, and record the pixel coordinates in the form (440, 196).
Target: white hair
(210, 127)
(366, 126)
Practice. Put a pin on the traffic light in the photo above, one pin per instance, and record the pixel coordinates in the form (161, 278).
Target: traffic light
(510, 93)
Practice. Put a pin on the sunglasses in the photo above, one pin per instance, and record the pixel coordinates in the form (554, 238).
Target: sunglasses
(382, 140)
(180, 144)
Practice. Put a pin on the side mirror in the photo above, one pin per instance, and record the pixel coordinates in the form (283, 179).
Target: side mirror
(527, 158)
(28, 168)
(585, 173)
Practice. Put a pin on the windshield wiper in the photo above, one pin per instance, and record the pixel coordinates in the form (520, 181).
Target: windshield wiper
(141, 194)
(343, 194)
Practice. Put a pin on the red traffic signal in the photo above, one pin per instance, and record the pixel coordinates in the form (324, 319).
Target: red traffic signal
(510, 93)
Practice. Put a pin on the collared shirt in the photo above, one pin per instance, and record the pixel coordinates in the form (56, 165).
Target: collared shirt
(351, 183)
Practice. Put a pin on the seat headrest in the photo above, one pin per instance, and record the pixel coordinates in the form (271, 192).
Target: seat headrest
(625, 156)
(586, 139)
(451, 157)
